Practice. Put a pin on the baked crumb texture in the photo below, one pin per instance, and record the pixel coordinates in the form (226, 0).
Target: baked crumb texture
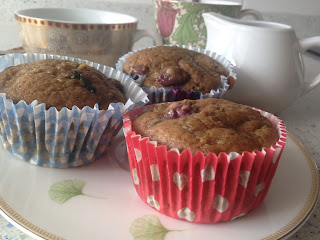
(176, 68)
(207, 125)
(219, 160)
(70, 129)
(60, 83)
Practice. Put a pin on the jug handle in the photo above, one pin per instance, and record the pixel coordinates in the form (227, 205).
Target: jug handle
(306, 44)
(254, 13)
(140, 33)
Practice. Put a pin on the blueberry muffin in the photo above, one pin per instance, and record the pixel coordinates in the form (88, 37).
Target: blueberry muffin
(174, 67)
(60, 83)
(207, 125)
(37, 133)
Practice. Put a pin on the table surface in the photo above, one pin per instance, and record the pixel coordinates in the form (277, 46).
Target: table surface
(302, 119)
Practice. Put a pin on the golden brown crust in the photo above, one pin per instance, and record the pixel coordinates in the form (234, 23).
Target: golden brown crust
(207, 125)
(175, 67)
(55, 83)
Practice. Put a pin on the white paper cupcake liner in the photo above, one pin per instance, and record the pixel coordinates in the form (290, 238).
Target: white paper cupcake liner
(65, 138)
(158, 95)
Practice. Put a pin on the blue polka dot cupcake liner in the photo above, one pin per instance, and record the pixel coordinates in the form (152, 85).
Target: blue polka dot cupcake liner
(65, 138)
(159, 95)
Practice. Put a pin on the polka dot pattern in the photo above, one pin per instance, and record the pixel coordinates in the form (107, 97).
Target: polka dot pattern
(153, 203)
(138, 154)
(220, 204)
(207, 174)
(180, 180)
(155, 172)
(186, 213)
(201, 188)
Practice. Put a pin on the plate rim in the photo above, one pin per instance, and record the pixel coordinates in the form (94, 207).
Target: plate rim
(309, 205)
(32, 230)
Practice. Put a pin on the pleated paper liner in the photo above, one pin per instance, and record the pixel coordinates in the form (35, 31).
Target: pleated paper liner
(159, 95)
(65, 138)
(201, 188)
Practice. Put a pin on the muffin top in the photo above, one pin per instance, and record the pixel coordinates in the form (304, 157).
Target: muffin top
(177, 68)
(60, 83)
(207, 125)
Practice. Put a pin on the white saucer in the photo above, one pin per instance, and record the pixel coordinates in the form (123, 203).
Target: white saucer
(109, 207)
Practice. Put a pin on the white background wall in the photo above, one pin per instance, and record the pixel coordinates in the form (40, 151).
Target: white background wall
(311, 7)
(303, 7)
(304, 15)
(294, 6)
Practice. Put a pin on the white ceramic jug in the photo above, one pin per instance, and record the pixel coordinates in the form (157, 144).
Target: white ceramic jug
(267, 59)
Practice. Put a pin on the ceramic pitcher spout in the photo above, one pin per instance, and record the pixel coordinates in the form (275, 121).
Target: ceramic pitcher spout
(267, 59)
(211, 17)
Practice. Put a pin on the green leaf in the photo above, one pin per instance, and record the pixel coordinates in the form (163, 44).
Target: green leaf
(23, 236)
(191, 28)
(186, 32)
(66, 189)
(148, 227)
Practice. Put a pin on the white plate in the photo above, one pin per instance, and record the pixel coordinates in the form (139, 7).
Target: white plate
(109, 204)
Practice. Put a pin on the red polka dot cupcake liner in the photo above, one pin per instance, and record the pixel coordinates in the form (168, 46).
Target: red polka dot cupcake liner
(200, 188)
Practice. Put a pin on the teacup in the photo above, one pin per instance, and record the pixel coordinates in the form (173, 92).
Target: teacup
(180, 22)
(98, 36)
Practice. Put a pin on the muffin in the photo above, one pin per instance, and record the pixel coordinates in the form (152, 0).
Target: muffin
(207, 160)
(60, 83)
(171, 66)
(178, 72)
(207, 125)
(50, 112)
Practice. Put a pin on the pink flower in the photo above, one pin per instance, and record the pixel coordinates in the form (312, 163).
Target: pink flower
(165, 17)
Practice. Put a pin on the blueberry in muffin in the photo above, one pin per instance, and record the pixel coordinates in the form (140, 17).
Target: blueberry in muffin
(174, 67)
(60, 83)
